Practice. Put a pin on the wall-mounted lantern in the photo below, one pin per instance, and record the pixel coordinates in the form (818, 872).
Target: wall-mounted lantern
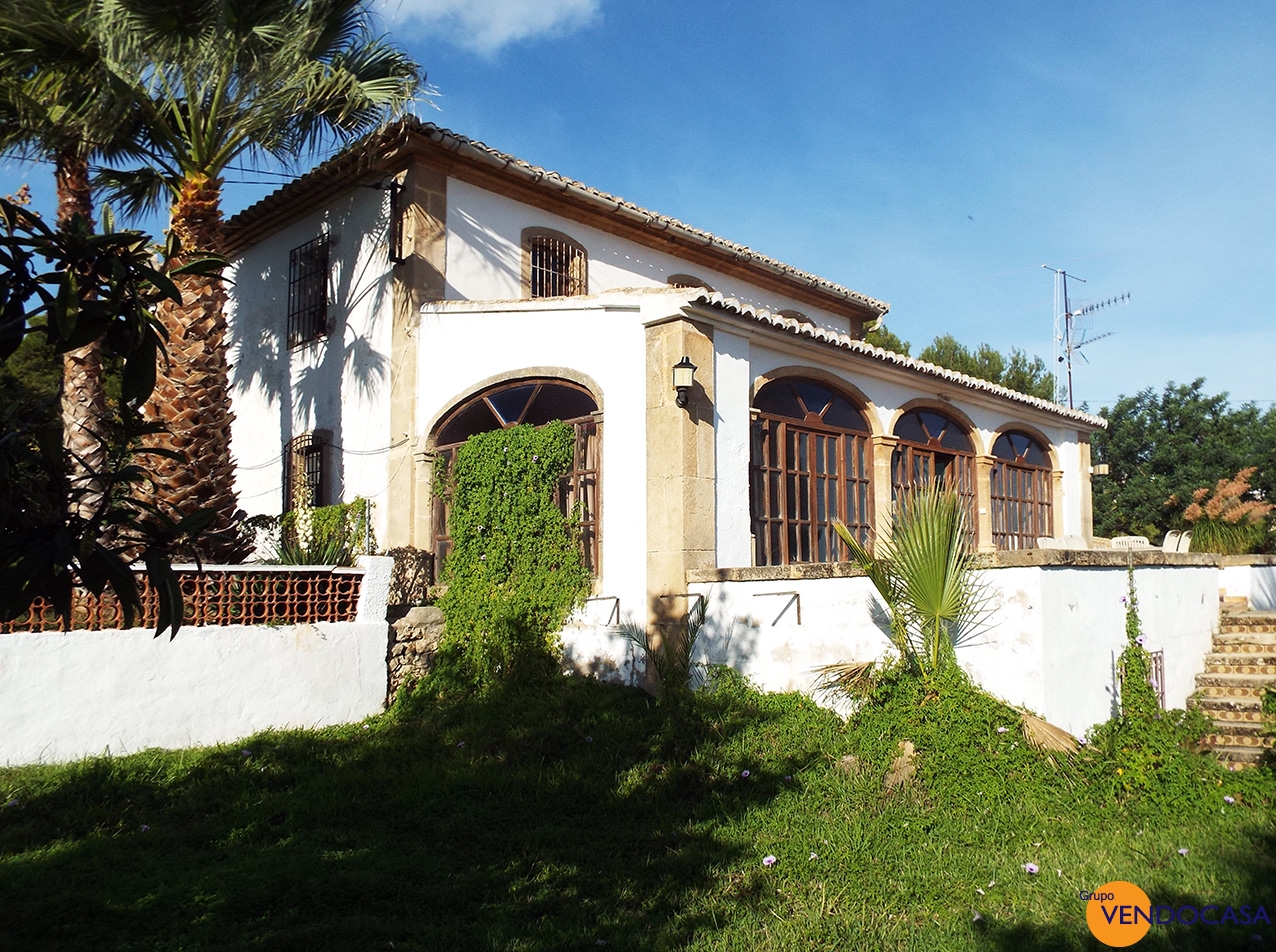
(684, 378)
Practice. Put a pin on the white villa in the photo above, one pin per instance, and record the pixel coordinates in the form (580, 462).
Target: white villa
(421, 287)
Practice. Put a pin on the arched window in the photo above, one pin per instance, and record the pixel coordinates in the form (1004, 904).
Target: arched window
(554, 265)
(1021, 487)
(811, 464)
(537, 402)
(935, 449)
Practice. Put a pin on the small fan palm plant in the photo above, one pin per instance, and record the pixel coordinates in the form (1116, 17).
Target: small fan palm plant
(925, 573)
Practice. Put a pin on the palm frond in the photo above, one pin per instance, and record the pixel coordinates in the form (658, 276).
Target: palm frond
(1045, 736)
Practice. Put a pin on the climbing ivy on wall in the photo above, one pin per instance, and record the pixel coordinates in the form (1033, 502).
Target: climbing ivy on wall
(515, 571)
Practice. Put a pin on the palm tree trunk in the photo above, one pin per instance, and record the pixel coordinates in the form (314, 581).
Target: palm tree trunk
(192, 389)
(83, 396)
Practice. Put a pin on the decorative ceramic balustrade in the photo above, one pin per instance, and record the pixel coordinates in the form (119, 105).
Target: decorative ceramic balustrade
(219, 595)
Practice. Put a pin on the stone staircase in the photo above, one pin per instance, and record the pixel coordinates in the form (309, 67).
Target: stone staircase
(1240, 669)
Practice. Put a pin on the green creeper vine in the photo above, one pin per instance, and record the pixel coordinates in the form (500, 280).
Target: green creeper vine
(515, 571)
(1149, 752)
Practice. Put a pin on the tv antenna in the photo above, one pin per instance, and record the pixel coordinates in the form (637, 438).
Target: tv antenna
(1071, 327)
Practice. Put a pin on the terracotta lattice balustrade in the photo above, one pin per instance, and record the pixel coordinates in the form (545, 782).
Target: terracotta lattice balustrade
(235, 595)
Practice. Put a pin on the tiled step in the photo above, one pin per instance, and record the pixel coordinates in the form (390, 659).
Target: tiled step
(1240, 664)
(1246, 648)
(1242, 682)
(1239, 758)
(1251, 705)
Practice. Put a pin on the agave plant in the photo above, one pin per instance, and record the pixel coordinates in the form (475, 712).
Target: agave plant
(925, 573)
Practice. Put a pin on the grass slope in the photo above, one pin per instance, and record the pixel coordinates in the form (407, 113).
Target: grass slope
(573, 815)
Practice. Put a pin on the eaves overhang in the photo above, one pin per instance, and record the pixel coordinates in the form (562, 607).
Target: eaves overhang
(716, 301)
(390, 150)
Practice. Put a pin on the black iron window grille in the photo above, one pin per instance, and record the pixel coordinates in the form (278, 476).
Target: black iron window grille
(559, 267)
(304, 471)
(308, 291)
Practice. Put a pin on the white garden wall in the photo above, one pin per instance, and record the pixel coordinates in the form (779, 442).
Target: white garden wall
(1251, 577)
(66, 695)
(1050, 644)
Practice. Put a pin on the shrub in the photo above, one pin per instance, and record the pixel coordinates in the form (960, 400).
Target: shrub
(1225, 519)
(515, 571)
(328, 535)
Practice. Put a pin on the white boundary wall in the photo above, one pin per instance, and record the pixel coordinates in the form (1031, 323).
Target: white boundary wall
(1050, 645)
(1252, 578)
(66, 695)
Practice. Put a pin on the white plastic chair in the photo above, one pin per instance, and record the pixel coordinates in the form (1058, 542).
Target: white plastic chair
(1171, 541)
(1049, 542)
(1185, 541)
(1131, 542)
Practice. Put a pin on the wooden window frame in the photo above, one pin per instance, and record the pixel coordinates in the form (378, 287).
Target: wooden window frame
(581, 484)
(308, 269)
(569, 280)
(804, 474)
(1021, 498)
(917, 464)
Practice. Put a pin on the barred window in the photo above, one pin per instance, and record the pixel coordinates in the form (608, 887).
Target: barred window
(556, 265)
(308, 291)
(935, 450)
(305, 470)
(1021, 487)
(811, 464)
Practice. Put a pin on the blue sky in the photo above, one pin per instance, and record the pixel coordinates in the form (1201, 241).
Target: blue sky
(931, 155)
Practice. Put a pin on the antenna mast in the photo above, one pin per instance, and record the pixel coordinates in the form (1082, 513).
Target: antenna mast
(1066, 340)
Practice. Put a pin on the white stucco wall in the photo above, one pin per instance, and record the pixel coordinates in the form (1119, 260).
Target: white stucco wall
(1050, 645)
(340, 383)
(1251, 579)
(66, 695)
(484, 256)
(600, 340)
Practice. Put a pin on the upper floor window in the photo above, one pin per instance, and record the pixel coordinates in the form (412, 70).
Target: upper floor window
(554, 264)
(687, 281)
(1021, 484)
(306, 470)
(308, 291)
(811, 465)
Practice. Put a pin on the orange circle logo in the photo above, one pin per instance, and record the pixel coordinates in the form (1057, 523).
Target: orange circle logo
(1118, 913)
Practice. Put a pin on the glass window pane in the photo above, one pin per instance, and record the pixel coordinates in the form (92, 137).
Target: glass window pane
(778, 399)
(841, 414)
(815, 397)
(509, 404)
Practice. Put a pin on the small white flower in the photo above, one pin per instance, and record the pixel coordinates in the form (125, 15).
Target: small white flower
(814, 856)
(1002, 730)
(1182, 850)
(980, 891)
(769, 860)
(744, 773)
(1031, 869)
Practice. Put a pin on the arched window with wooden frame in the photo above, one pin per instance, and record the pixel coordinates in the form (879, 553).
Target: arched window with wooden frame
(1021, 486)
(811, 464)
(554, 264)
(935, 449)
(535, 401)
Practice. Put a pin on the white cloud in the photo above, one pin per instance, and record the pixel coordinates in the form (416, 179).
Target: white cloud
(485, 26)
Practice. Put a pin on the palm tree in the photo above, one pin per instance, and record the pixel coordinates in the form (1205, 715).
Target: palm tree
(59, 102)
(925, 572)
(218, 80)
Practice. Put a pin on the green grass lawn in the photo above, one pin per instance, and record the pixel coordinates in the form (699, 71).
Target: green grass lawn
(575, 815)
